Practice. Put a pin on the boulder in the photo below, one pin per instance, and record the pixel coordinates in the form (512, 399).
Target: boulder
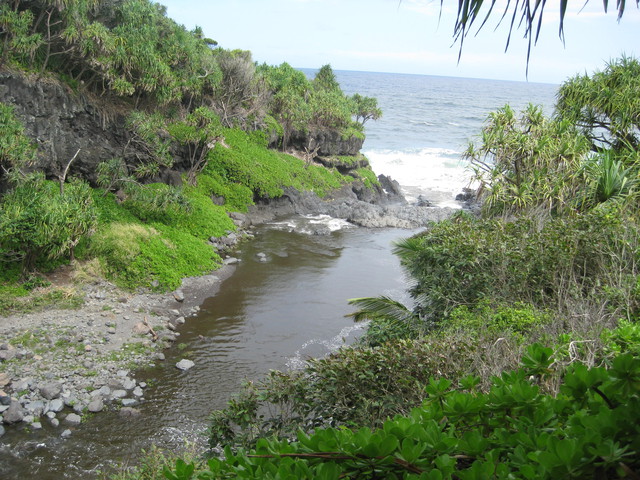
(14, 414)
(178, 295)
(51, 390)
(141, 328)
(56, 405)
(129, 412)
(7, 354)
(73, 419)
(184, 364)
(35, 408)
(96, 405)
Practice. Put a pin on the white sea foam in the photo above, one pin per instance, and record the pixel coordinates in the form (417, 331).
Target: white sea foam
(317, 347)
(438, 174)
(312, 224)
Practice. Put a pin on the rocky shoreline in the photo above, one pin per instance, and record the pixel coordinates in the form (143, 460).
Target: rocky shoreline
(57, 366)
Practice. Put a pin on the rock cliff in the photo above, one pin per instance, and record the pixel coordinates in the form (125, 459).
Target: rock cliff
(62, 122)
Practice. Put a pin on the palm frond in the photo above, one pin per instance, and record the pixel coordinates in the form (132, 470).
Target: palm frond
(371, 308)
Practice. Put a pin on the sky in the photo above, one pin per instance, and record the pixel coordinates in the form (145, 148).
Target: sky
(412, 36)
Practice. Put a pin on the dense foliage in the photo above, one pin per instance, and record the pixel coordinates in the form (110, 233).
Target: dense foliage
(589, 430)
(551, 259)
(131, 50)
(189, 107)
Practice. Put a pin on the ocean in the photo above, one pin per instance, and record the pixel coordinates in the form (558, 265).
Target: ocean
(427, 123)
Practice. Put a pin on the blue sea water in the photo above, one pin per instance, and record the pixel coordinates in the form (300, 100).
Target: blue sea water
(428, 121)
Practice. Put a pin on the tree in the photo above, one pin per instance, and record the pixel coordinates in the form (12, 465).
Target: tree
(605, 105)
(238, 96)
(528, 161)
(326, 80)
(365, 108)
(37, 222)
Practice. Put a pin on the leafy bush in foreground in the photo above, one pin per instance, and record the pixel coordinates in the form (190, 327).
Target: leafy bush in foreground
(590, 430)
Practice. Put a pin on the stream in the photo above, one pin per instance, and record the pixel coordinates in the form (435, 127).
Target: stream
(269, 314)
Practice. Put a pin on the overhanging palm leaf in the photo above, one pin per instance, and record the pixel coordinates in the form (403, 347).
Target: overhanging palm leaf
(372, 308)
(529, 11)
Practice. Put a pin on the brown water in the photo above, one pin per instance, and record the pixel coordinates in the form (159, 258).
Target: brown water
(268, 315)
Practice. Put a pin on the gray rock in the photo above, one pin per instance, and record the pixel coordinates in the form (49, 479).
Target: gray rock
(14, 413)
(35, 408)
(2, 430)
(21, 385)
(96, 405)
(119, 393)
(5, 400)
(137, 392)
(51, 415)
(178, 295)
(51, 390)
(111, 330)
(128, 402)
(56, 405)
(73, 419)
(167, 336)
(122, 373)
(129, 412)
(174, 312)
(129, 384)
(105, 391)
(4, 408)
(7, 355)
(66, 433)
(36, 426)
(230, 261)
(185, 364)
(159, 356)
(141, 329)
(180, 321)
(55, 422)
(28, 419)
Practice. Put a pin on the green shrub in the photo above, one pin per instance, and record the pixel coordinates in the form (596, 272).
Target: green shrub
(563, 262)
(38, 221)
(15, 147)
(590, 430)
(368, 176)
(518, 318)
(355, 386)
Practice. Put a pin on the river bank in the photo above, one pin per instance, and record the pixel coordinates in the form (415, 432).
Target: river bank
(60, 365)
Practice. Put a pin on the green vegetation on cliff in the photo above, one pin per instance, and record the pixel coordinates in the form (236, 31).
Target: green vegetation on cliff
(200, 115)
